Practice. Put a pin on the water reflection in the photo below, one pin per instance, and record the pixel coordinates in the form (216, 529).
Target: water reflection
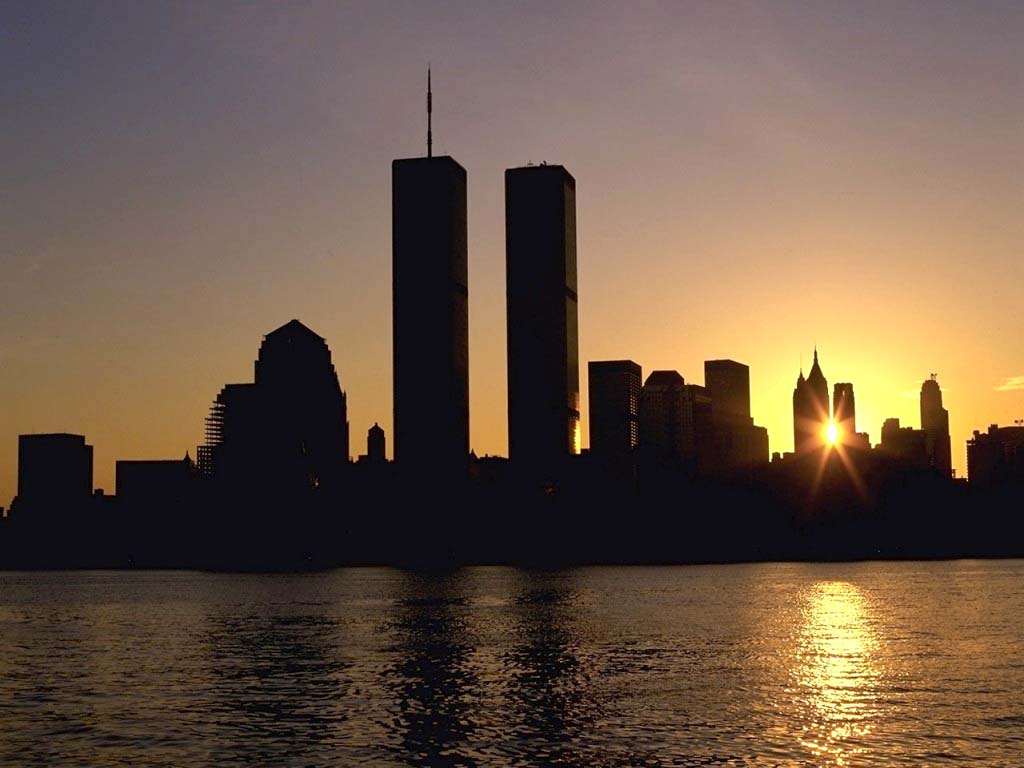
(275, 682)
(548, 680)
(836, 673)
(432, 678)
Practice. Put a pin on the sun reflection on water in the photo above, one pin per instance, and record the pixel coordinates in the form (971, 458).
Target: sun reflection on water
(836, 674)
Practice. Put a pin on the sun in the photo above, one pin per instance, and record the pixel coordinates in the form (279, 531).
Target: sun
(832, 433)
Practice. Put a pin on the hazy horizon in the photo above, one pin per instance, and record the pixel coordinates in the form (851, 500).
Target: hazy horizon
(183, 178)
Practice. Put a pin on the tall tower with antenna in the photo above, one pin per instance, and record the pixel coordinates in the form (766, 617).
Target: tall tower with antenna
(430, 319)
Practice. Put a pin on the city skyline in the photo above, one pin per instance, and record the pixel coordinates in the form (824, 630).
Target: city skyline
(129, 303)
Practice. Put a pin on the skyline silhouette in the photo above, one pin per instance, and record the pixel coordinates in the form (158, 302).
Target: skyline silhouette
(732, 214)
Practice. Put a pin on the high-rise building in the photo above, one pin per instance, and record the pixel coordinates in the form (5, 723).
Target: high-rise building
(935, 423)
(844, 408)
(430, 297)
(288, 429)
(666, 423)
(728, 384)
(614, 387)
(54, 472)
(810, 410)
(543, 355)
(735, 442)
(700, 442)
(996, 456)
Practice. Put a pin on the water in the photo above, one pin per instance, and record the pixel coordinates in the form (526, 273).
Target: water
(875, 664)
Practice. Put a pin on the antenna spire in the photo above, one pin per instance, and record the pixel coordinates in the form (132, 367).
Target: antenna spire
(430, 111)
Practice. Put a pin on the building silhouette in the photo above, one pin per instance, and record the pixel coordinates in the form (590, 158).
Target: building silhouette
(430, 317)
(54, 473)
(996, 456)
(375, 444)
(728, 385)
(810, 410)
(701, 443)
(905, 444)
(543, 355)
(935, 423)
(666, 420)
(148, 485)
(844, 414)
(286, 431)
(614, 395)
(844, 408)
(736, 443)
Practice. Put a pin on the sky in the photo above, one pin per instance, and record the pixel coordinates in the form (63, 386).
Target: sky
(181, 178)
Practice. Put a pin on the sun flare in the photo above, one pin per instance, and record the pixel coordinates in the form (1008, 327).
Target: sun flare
(832, 433)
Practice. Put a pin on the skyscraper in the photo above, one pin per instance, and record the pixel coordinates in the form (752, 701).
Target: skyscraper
(430, 317)
(288, 429)
(614, 387)
(935, 423)
(728, 384)
(844, 408)
(736, 443)
(543, 356)
(666, 421)
(810, 409)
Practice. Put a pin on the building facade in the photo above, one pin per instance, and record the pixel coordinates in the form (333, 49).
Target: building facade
(666, 423)
(728, 385)
(614, 389)
(541, 297)
(54, 472)
(996, 456)
(430, 317)
(811, 412)
(287, 430)
(935, 423)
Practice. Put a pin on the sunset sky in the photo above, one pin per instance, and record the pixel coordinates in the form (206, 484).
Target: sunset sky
(179, 179)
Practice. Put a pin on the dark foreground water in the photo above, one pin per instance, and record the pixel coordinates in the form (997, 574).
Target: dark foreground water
(873, 664)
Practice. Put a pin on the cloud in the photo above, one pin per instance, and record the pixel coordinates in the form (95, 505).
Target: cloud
(1012, 384)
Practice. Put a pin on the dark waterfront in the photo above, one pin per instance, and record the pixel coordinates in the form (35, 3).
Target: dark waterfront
(773, 664)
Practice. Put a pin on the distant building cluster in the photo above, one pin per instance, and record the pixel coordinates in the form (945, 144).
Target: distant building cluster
(817, 424)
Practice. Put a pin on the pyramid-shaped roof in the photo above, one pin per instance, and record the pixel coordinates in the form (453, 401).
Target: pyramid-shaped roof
(293, 328)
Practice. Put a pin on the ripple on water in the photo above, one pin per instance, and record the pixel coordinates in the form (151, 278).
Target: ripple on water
(816, 665)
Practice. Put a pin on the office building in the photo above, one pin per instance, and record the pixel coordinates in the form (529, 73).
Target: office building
(728, 385)
(54, 473)
(155, 483)
(666, 421)
(287, 430)
(543, 357)
(935, 423)
(844, 410)
(905, 444)
(996, 456)
(614, 388)
(430, 299)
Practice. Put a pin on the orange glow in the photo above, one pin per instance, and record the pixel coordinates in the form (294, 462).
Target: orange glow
(143, 281)
(832, 433)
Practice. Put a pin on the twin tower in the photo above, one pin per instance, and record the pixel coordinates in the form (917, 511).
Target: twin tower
(430, 296)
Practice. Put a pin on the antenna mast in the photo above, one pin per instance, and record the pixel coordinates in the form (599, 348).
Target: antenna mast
(430, 110)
